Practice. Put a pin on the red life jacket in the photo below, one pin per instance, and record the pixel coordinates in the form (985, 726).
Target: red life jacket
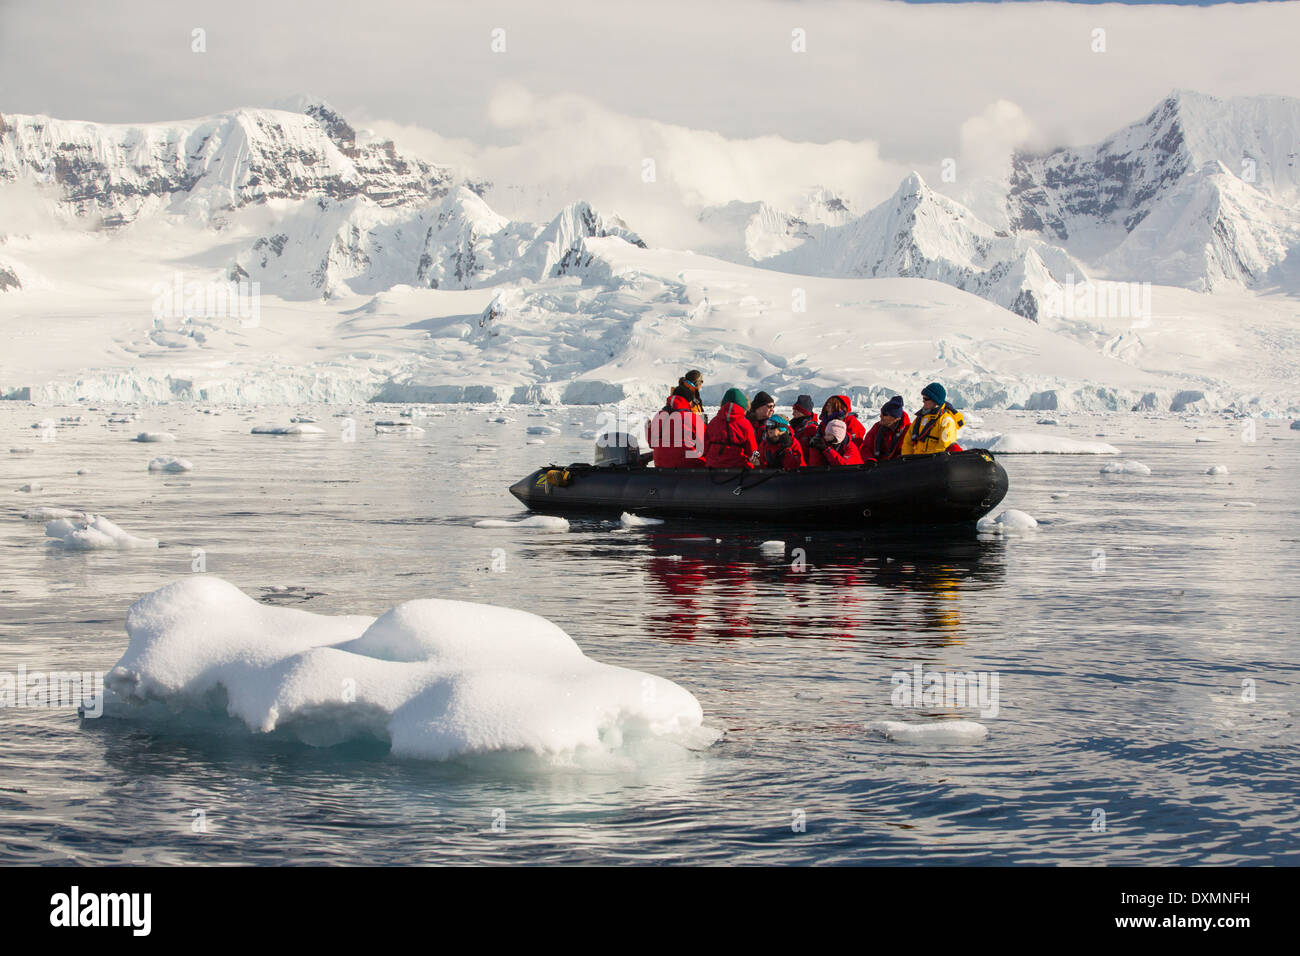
(846, 454)
(787, 458)
(881, 444)
(729, 440)
(676, 435)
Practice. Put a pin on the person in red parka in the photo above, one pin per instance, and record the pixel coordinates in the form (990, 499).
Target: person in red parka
(729, 440)
(839, 407)
(676, 432)
(833, 446)
(804, 421)
(885, 440)
(778, 449)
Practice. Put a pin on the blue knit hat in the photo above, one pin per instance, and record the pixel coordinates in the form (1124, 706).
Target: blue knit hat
(777, 421)
(893, 408)
(935, 393)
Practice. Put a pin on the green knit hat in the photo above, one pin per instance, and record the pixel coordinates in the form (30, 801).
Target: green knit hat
(736, 397)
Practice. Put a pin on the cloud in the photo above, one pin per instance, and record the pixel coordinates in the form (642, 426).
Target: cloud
(656, 175)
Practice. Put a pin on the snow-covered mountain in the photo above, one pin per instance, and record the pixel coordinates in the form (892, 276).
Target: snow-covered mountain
(754, 231)
(1200, 193)
(205, 168)
(920, 233)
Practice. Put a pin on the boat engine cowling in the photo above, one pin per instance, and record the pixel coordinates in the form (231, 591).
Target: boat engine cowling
(617, 448)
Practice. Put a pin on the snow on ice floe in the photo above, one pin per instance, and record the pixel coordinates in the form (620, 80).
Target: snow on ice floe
(23, 450)
(436, 679)
(1239, 504)
(397, 428)
(89, 532)
(31, 487)
(1009, 520)
(775, 548)
(154, 437)
(541, 522)
(629, 520)
(542, 430)
(535, 441)
(1217, 470)
(1129, 467)
(296, 429)
(1032, 443)
(930, 732)
(169, 463)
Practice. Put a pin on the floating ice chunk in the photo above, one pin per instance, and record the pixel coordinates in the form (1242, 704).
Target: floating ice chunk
(168, 463)
(588, 436)
(31, 487)
(1060, 494)
(541, 522)
(943, 731)
(629, 520)
(93, 533)
(1125, 468)
(542, 430)
(436, 679)
(1046, 421)
(1033, 443)
(49, 514)
(298, 429)
(1239, 504)
(24, 450)
(1217, 470)
(397, 428)
(773, 547)
(154, 436)
(535, 441)
(1295, 425)
(1009, 520)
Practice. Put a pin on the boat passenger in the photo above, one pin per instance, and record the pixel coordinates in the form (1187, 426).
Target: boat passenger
(729, 440)
(760, 410)
(885, 439)
(676, 432)
(779, 449)
(804, 421)
(935, 428)
(834, 446)
(839, 407)
(693, 381)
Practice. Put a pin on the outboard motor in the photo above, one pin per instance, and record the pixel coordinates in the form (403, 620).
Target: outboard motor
(617, 448)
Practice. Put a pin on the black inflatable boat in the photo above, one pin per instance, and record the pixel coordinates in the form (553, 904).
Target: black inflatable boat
(919, 490)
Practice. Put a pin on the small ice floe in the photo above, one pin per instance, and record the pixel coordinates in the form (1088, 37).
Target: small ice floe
(773, 547)
(1125, 468)
(46, 425)
(1205, 440)
(540, 522)
(629, 520)
(296, 429)
(535, 441)
(1295, 425)
(542, 430)
(1046, 421)
(89, 532)
(303, 420)
(168, 463)
(500, 420)
(1058, 495)
(24, 450)
(1239, 504)
(397, 428)
(1217, 470)
(433, 679)
(31, 488)
(49, 514)
(154, 437)
(587, 436)
(942, 731)
(1006, 521)
(1034, 443)
(82, 471)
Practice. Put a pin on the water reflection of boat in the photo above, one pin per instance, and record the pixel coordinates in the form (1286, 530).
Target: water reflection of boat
(918, 490)
(830, 585)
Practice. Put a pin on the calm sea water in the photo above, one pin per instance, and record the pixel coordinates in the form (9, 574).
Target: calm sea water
(1143, 637)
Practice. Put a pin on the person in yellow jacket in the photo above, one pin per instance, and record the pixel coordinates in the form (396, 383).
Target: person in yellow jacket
(935, 426)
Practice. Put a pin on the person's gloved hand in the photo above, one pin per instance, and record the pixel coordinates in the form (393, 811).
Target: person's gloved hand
(817, 442)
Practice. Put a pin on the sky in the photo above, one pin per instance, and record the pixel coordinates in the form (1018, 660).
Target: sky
(732, 100)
